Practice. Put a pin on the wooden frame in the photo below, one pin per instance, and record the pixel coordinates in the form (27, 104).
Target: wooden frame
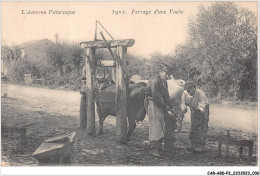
(121, 97)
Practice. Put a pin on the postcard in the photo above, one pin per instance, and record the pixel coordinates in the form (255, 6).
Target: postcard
(142, 85)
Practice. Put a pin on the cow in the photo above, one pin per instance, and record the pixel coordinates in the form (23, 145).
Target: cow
(135, 105)
(136, 110)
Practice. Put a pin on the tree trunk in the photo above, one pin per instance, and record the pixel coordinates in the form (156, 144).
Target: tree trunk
(60, 70)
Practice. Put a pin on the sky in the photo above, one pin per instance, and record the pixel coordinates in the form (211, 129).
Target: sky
(151, 32)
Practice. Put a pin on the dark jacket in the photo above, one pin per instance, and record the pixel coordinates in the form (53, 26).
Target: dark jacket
(157, 90)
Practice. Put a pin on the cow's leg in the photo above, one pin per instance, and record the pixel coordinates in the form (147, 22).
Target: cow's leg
(132, 125)
(134, 115)
(101, 118)
(101, 122)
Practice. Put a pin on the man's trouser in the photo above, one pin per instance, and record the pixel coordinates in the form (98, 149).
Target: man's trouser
(199, 128)
(169, 133)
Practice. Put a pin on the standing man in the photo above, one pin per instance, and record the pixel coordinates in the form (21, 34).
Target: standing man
(158, 106)
(199, 106)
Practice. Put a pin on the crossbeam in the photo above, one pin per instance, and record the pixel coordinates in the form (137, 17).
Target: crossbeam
(111, 43)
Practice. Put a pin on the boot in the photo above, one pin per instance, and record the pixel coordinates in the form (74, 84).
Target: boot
(155, 147)
(155, 153)
(169, 148)
(191, 147)
(198, 148)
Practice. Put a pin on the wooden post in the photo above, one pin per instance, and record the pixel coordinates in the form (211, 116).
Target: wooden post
(114, 71)
(250, 152)
(241, 149)
(227, 151)
(83, 111)
(90, 71)
(227, 144)
(114, 74)
(219, 148)
(121, 102)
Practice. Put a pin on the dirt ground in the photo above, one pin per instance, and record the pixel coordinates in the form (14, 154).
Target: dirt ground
(102, 150)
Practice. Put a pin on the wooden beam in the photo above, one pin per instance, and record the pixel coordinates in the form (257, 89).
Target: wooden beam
(90, 71)
(111, 43)
(121, 102)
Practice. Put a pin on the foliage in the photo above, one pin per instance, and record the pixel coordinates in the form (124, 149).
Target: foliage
(137, 66)
(61, 67)
(9, 54)
(221, 52)
(67, 61)
(220, 55)
(65, 57)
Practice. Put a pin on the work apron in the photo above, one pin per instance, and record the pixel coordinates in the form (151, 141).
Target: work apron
(156, 122)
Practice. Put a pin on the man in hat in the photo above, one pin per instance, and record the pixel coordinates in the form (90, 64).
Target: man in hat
(199, 106)
(158, 109)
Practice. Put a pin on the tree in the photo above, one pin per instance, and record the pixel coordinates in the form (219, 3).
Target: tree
(135, 65)
(74, 57)
(57, 55)
(9, 54)
(65, 57)
(222, 47)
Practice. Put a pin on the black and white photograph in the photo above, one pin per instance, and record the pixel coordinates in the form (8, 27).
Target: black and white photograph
(136, 84)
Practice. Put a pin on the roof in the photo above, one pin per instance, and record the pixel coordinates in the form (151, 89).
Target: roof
(35, 51)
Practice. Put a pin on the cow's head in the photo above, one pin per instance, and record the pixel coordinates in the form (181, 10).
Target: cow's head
(176, 92)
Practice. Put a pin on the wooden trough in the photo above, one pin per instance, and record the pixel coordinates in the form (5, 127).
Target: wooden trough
(235, 141)
(55, 150)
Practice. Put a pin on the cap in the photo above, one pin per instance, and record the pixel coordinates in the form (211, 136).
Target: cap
(189, 85)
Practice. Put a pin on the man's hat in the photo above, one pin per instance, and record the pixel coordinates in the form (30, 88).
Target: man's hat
(166, 68)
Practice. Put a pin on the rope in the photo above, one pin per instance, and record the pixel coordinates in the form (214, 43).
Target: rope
(97, 90)
(105, 30)
(98, 94)
(95, 38)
